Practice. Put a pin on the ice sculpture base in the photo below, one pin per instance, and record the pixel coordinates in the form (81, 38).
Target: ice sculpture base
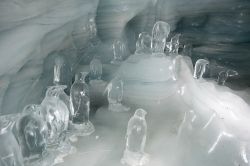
(84, 129)
(134, 158)
(118, 107)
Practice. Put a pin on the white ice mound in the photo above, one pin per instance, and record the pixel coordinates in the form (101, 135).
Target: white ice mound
(216, 123)
(147, 68)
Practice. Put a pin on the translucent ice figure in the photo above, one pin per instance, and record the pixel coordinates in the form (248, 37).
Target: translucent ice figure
(143, 43)
(174, 44)
(62, 72)
(159, 34)
(134, 154)
(64, 97)
(200, 68)
(119, 51)
(32, 132)
(91, 26)
(56, 114)
(115, 95)
(10, 152)
(79, 97)
(187, 50)
(95, 69)
(223, 76)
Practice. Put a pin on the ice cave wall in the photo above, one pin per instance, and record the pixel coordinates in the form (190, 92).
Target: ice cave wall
(32, 30)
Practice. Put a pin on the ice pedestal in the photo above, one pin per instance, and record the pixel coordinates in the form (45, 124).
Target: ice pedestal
(147, 78)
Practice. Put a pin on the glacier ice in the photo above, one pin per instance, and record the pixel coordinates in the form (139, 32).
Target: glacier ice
(197, 116)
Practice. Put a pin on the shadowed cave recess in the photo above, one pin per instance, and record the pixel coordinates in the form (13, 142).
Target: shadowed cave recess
(180, 70)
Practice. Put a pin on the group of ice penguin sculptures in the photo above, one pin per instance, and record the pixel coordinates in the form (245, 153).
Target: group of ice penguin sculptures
(45, 130)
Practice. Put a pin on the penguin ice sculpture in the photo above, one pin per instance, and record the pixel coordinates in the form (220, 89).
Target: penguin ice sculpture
(115, 95)
(134, 154)
(200, 68)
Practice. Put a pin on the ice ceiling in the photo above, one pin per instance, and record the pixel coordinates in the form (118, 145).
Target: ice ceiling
(33, 33)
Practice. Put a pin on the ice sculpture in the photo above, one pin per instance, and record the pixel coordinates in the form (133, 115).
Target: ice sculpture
(115, 95)
(62, 72)
(119, 52)
(187, 50)
(143, 43)
(56, 114)
(95, 69)
(173, 45)
(84, 30)
(200, 68)
(32, 133)
(64, 97)
(223, 76)
(10, 152)
(159, 34)
(79, 98)
(91, 27)
(134, 154)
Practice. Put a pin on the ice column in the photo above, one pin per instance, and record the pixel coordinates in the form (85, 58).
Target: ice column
(80, 103)
(134, 154)
(200, 68)
(143, 43)
(115, 95)
(159, 34)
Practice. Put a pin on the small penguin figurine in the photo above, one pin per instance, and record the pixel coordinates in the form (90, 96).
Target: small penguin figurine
(134, 154)
(200, 68)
